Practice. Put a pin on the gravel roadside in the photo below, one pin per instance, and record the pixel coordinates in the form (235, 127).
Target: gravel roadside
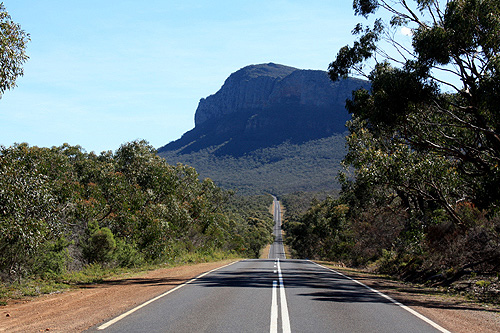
(77, 310)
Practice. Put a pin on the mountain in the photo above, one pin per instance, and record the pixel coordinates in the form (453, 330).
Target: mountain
(264, 105)
(259, 116)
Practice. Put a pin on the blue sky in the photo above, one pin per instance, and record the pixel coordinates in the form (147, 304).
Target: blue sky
(102, 73)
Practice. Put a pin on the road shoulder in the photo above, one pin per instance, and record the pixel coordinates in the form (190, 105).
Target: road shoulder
(455, 313)
(79, 309)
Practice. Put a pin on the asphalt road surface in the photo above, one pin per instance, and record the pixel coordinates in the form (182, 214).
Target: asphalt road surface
(277, 250)
(271, 295)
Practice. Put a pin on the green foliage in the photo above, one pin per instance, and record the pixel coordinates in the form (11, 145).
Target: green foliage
(52, 259)
(316, 233)
(422, 169)
(406, 105)
(251, 223)
(62, 209)
(286, 168)
(13, 42)
(466, 27)
(258, 234)
(100, 245)
(127, 255)
(27, 207)
(297, 203)
(364, 7)
(350, 58)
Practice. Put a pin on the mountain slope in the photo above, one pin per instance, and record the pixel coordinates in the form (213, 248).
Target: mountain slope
(270, 128)
(264, 105)
(286, 168)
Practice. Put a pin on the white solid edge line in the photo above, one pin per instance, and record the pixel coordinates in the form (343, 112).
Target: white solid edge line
(410, 310)
(120, 317)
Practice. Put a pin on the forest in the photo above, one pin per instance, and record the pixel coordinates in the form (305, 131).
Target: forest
(286, 168)
(65, 210)
(420, 190)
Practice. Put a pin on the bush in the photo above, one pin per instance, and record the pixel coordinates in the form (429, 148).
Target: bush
(100, 244)
(52, 258)
(127, 255)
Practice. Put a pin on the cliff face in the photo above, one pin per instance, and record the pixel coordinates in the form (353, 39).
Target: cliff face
(264, 105)
(245, 90)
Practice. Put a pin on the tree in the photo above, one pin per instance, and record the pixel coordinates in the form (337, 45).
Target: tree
(13, 42)
(319, 232)
(27, 207)
(413, 102)
(422, 179)
(424, 142)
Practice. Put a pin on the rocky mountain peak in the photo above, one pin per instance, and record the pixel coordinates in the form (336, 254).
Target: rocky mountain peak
(264, 105)
(246, 89)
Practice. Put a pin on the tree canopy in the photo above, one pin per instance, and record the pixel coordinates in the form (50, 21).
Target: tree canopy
(420, 195)
(62, 209)
(439, 96)
(13, 55)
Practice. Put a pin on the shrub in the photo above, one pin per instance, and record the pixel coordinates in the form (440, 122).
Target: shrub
(127, 255)
(100, 245)
(52, 258)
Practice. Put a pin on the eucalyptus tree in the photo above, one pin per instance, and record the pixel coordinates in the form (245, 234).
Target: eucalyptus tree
(13, 55)
(437, 94)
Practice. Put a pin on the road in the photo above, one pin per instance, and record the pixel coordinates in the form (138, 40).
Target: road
(271, 295)
(277, 250)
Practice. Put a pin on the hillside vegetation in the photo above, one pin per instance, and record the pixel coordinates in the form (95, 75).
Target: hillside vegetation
(269, 129)
(64, 210)
(285, 168)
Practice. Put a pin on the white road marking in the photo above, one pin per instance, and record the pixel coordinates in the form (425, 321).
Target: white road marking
(285, 318)
(274, 310)
(410, 310)
(120, 317)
